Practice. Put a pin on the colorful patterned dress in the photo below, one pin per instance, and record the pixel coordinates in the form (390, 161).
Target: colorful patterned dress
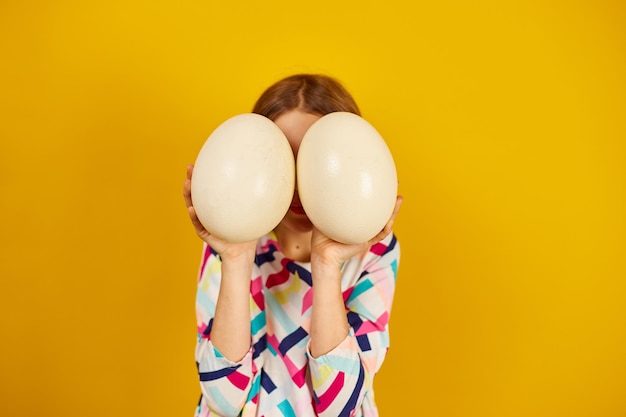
(278, 376)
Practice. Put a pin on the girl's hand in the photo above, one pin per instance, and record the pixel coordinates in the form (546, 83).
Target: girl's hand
(228, 251)
(328, 252)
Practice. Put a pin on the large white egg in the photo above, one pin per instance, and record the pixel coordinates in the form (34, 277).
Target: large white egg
(347, 179)
(243, 179)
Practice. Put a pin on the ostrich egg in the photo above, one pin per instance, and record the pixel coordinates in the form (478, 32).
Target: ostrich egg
(243, 178)
(347, 179)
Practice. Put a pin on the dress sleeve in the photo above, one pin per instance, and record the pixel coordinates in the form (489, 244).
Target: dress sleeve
(225, 384)
(343, 377)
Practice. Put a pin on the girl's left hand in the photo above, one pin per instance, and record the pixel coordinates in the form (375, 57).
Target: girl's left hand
(332, 253)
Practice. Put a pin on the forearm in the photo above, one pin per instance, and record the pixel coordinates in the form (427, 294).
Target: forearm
(329, 324)
(230, 333)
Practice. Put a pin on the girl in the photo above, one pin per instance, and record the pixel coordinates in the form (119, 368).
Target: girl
(294, 324)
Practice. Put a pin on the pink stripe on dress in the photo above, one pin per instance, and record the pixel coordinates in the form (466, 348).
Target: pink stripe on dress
(327, 398)
(239, 380)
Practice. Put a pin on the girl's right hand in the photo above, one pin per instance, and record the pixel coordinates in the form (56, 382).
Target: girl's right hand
(228, 251)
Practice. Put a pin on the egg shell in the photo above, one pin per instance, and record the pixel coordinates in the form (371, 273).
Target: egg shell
(346, 176)
(243, 178)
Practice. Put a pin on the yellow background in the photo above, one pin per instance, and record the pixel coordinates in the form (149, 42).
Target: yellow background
(507, 122)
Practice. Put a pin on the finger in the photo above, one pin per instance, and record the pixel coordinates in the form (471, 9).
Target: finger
(380, 236)
(195, 221)
(187, 192)
(396, 209)
(204, 234)
(189, 171)
(389, 225)
(187, 186)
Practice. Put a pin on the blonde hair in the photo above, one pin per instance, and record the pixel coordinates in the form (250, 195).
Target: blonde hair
(311, 93)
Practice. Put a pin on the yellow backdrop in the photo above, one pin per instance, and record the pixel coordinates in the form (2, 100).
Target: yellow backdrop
(507, 122)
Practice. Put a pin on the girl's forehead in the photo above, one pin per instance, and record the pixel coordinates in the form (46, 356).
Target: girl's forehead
(294, 125)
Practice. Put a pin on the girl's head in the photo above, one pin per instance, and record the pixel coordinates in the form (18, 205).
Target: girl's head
(310, 93)
(294, 104)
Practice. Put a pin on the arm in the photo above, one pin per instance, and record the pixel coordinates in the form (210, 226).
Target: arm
(223, 353)
(225, 383)
(342, 377)
(230, 331)
(329, 325)
(346, 350)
